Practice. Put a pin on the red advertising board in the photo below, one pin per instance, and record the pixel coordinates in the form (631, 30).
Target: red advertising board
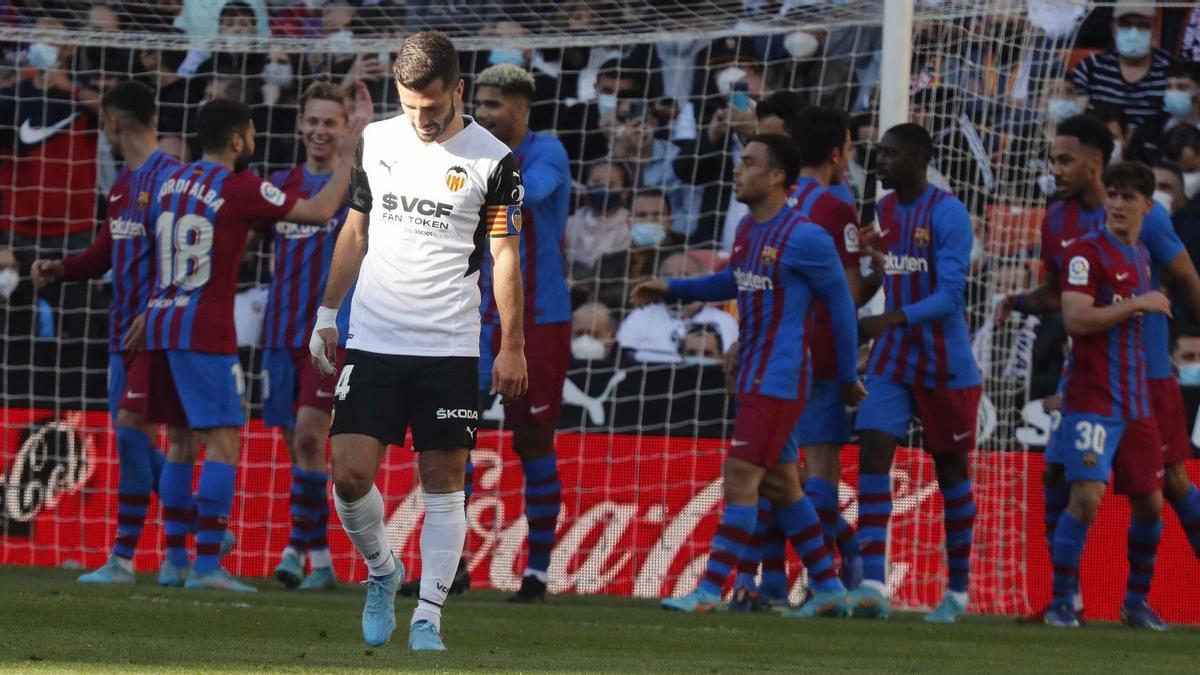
(638, 512)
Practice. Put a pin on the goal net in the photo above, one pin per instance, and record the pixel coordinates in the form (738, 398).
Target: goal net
(651, 100)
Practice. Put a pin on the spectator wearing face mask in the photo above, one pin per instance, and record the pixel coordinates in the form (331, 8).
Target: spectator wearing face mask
(653, 333)
(601, 224)
(1185, 356)
(702, 346)
(1181, 105)
(206, 18)
(592, 333)
(1028, 151)
(650, 224)
(1132, 75)
(651, 161)
(1169, 191)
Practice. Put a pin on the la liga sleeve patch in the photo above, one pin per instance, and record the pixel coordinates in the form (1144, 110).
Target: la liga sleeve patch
(1078, 270)
(850, 236)
(272, 194)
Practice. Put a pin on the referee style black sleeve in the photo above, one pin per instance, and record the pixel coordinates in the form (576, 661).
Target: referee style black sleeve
(360, 187)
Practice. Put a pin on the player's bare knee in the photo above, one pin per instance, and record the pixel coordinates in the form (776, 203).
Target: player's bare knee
(442, 471)
(781, 487)
(876, 452)
(1176, 482)
(1054, 476)
(181, 446)
(128, 419)
(1085, 500)
(951, 468)
(532, 443)
(1146, 507)
(741, 481)
(309, 450)
(823, 461)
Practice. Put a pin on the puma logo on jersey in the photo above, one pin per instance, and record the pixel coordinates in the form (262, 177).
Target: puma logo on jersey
(387, 166)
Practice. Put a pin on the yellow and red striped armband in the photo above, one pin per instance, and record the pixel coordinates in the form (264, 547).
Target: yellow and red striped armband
(503, 220)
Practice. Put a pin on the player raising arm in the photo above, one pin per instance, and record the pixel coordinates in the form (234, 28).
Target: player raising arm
(1107, 411)
(430, 187)
(921, 364)
(780, 262)
(192, 379)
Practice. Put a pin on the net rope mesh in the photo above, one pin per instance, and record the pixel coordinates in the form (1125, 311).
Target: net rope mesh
(980, 72)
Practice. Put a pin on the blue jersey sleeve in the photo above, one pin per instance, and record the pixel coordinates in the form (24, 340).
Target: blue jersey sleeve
(815, 257)
(543, 173)
(952, 250)
(1158, 234)
(713, 287)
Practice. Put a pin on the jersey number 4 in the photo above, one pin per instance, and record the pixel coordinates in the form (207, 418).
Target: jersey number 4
(184, 250)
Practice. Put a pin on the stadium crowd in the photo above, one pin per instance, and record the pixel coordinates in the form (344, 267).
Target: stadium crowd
(656, 136)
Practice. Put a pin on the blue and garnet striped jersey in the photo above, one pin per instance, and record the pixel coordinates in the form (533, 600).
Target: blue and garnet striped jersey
(927, 251)
(125, 245)
(1067, 221)
(776, 269)
(546, 176)
(1107, 370)
(300, 265)
(202, 216)
(821, 206)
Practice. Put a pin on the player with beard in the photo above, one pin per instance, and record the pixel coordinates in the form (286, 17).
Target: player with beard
(1082, 148)
(432, 188)
(192, 379)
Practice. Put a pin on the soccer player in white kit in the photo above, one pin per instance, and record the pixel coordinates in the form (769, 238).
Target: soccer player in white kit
(430, 189)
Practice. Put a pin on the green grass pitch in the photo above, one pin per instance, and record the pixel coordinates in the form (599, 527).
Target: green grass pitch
(50, 623)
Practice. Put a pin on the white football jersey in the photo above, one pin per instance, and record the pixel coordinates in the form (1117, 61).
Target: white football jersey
(430, 209)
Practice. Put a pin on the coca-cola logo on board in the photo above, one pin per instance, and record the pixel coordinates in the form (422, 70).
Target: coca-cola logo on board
(54, 459)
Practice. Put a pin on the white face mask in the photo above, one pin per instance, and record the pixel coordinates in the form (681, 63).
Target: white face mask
(42, 56)
(278, 74)
(1164, 199)
(693, 360)
(8, 282)
(1191, 183)
(726, 79)
(588, 348)
(341, 40)
(1118, 152)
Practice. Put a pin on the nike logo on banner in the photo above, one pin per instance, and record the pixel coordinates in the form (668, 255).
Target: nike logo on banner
(115, 198)
(31, 135)
(534, 410)
(1068, 242)
(1121, 277)
(134, 395)
(321, 393)
(959, 437)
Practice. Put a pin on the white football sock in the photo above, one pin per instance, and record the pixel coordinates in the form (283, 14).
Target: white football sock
(442, 538)
(362, 520)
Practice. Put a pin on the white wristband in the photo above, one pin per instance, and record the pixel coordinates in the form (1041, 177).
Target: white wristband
(326, 318)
